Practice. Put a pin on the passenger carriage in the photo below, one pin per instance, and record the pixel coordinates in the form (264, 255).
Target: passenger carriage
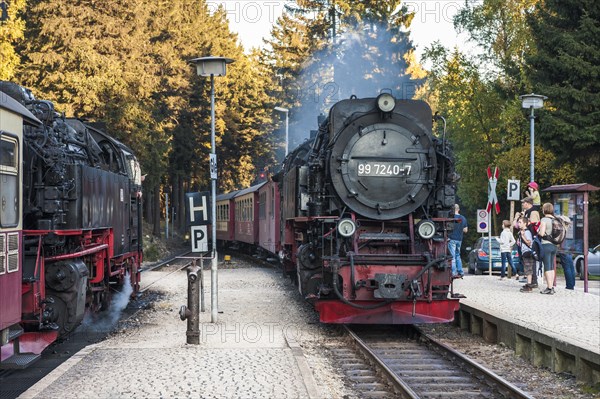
(246, 215)
(226, 217)
(269, 217)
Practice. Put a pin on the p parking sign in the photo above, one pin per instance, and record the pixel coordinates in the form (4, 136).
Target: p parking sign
(513, 190)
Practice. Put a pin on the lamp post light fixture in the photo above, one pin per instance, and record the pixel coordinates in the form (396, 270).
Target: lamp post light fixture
(212, 66)
(532, 101)
(287, 112)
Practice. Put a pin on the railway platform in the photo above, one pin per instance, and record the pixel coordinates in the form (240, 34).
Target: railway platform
(560, 331)
(252, 351)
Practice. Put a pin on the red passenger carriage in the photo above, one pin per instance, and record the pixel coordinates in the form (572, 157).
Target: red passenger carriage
(246, 215)
(269, 217)
(226, 217)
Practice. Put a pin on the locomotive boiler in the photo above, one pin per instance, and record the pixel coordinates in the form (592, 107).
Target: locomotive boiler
(365, 209)
(70, 227)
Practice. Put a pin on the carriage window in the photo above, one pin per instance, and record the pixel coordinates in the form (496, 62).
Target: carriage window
(9, 177)
(8, 152)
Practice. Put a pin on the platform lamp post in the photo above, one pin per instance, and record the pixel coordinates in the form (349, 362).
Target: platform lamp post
(532, 101)
(212, 66)
(287, 112)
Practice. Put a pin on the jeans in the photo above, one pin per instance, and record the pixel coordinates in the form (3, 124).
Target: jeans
(454, 248)
(567, 263)
(507, 257)
(520, 268)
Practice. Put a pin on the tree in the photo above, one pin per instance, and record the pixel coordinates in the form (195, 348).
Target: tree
(500, 29)
(91, 59)
(127, 65)
(346, 48)
(566, 68)
(11, 33)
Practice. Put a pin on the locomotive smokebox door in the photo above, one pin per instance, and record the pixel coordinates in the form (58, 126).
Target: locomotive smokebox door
(382, 168)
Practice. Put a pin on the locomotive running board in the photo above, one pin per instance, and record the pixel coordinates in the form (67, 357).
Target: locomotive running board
(19, 361)
(25, 350)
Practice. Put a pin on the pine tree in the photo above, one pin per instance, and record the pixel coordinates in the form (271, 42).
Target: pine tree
(566, 69)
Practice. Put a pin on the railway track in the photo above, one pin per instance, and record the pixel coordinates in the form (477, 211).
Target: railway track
(172, 264)
(417, 366)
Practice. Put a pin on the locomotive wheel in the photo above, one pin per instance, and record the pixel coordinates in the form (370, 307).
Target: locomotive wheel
(63, 311)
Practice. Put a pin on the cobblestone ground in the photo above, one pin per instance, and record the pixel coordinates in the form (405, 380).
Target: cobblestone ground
(245, 355)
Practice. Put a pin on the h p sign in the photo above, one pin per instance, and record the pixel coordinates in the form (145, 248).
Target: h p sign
(199, 239)
(513, 190)
(196, 209)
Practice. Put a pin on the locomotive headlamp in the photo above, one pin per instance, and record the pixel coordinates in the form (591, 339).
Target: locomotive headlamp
(346, 227)
(426, 229)
(386, 102)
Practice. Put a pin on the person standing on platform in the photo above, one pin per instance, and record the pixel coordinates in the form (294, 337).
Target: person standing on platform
(532, 191)
(534, 226)
(455, 240)
(566, 260)
(527, 208)
(525, 240)
(549, 248)
(506, 243)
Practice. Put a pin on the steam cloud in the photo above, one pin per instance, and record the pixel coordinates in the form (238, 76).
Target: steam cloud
(107, 320)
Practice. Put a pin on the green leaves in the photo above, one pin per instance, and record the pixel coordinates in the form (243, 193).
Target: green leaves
(566, 67)
(11, 33)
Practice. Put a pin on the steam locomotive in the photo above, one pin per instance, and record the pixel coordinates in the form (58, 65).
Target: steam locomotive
(70, 223)
(359, 214)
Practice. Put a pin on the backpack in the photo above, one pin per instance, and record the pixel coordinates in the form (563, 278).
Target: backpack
(537, 250)
(560, 225)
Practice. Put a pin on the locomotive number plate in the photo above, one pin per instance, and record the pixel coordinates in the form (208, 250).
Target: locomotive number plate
(383, 169)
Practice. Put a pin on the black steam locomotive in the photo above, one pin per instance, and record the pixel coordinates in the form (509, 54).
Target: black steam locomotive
(366, 206)
(73, 223)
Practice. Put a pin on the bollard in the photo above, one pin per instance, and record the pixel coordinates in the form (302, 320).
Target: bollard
(191, 313)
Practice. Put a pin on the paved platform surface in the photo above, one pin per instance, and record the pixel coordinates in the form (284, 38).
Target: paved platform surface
(252, 352)
(572, 316)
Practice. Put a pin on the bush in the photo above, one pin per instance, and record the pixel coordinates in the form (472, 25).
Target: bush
(152, 252)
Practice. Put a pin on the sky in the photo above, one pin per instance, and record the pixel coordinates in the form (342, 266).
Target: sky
(253, 19)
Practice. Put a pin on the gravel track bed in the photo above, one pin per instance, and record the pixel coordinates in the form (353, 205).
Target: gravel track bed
(537, 381)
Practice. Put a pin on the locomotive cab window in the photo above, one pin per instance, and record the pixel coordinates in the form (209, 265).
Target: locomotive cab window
(9, 179)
